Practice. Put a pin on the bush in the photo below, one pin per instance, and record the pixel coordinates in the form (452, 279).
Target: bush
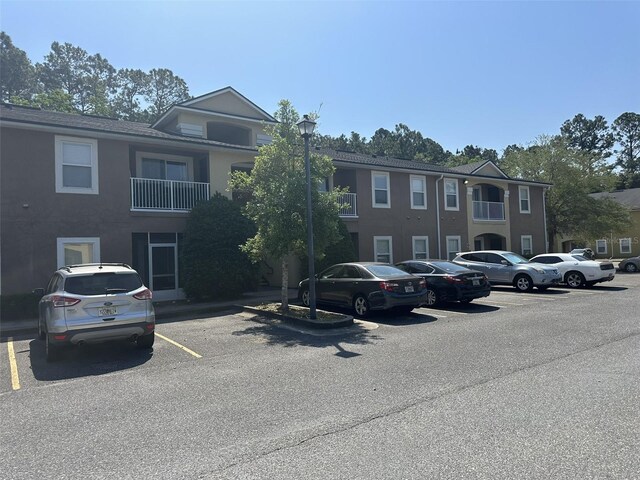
(214, 266)
(19, 307)
(342, 250)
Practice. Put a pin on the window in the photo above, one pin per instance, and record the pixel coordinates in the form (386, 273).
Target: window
(525, 206)
(625, 245)
(418, 192)
(420, 248)
(453, 246)
(76, 165)
(383, 249)
(601, 246)
(451, 194)
(380, 189)
(526, 243)
(73, 251)
(164, 170)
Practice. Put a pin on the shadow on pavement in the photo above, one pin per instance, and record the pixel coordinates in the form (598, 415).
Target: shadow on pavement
(85, 361)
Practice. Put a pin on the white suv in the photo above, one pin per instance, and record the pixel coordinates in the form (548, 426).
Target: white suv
(94, 303)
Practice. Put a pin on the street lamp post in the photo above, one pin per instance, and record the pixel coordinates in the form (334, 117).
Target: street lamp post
(306, 126)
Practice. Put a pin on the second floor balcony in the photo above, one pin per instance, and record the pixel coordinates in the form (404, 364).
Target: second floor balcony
(349, 205)
(148, 194)
(488, 211)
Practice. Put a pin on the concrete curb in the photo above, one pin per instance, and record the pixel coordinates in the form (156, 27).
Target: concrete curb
(345, 321)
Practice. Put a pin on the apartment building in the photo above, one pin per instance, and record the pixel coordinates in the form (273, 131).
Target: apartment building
(80, 188)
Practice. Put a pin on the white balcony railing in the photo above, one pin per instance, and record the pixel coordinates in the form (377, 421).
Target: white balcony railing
(166, 195)
(488, 210)
(349, 206)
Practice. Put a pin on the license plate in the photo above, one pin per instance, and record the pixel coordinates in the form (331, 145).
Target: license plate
(409, 289)
(106, 311)
(476, 282)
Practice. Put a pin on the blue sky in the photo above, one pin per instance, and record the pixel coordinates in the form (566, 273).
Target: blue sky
(478, 72)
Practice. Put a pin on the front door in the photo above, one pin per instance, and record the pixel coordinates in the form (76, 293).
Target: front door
(163, 262)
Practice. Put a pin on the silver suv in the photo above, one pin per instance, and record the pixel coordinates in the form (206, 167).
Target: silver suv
(510, 268)
(94, 303)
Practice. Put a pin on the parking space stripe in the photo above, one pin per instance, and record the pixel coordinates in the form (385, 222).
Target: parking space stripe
(498, 303)
(15, 379)
(182, 347)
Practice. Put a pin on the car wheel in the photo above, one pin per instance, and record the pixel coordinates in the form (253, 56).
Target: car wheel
(41, 332)
(574, 279)
(361, 306)
(52, 352)
(523, 283)
(630, 267)
(432, 298)
(305, 298)
(146, 341)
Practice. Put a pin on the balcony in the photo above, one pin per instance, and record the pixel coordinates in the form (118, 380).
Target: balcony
(348, 205)
(166, 195)
(488, 211)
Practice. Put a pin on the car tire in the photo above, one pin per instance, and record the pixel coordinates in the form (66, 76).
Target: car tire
(523, 283)
(146, 341)
(431, 299)
(574, 279)
(630, 268)
(52, 352)
(41, 333)
(361, 306)
(305, 298)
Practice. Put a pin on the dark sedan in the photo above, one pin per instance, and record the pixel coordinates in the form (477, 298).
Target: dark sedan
(366, 287)
(448, 282)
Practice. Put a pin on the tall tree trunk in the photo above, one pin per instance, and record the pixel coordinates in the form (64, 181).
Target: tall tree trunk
(285, 285)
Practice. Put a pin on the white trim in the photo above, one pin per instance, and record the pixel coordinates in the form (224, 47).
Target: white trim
(457, 238)
(375, 247)
(60, 141)
(628, 249)
(423, 179)
(522, 189)
(62, 241)
(413, 247)
(522, 240)
(451, 181)
(375, 174)
(601, 241)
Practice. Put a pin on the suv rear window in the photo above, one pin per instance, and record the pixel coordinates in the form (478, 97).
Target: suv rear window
(103, 283)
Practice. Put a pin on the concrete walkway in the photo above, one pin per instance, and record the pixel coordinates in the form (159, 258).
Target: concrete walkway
(166, 311)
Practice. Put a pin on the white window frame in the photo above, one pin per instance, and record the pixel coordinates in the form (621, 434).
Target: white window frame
(426, 244)
(628, 248)
(60, 141)
(524, 238)
(62, 241)
(451, 181)
(526, 197)
(422, 179)
(458, 239)
(602, 241)
(375, 247)
(375, 174)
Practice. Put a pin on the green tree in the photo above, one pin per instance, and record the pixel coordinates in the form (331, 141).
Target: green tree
(213, 264)
(163, 90)
(570, 209)
(127, 102)
(626, 129)
(17, 74)
(277, 205)
(592, 136)
(55, 100)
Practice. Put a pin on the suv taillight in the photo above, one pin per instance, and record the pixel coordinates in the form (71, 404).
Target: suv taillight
(144, 295)
(61, 301)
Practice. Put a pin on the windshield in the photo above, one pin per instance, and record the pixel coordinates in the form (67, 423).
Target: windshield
(449, 267)
(386, 271)
(515, 258)
(102, 283)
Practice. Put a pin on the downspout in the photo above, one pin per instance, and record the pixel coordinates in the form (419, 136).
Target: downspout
(438, 216)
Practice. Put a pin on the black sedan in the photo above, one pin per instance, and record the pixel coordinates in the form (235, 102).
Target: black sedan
(448, 282)
(366, 287)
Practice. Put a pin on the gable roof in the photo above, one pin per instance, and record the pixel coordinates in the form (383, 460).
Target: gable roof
(95, 124)
(474, 168)
(629, 197)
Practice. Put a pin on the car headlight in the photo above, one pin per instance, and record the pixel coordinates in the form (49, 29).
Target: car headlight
(539, 270)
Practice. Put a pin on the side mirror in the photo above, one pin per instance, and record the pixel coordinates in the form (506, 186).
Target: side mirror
(505, 262)
(38, 292)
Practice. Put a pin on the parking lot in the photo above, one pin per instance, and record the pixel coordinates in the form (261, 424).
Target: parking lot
(24, 365)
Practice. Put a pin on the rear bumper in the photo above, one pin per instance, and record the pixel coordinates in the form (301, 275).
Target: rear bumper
(461, 294)
(102, 334)
(385, 301)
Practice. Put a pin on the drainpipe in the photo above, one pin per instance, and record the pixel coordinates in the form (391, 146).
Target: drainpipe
(438, 216)
(544, 213)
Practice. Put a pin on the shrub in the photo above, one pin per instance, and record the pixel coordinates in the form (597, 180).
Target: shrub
(213, 265)
(342, 250)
